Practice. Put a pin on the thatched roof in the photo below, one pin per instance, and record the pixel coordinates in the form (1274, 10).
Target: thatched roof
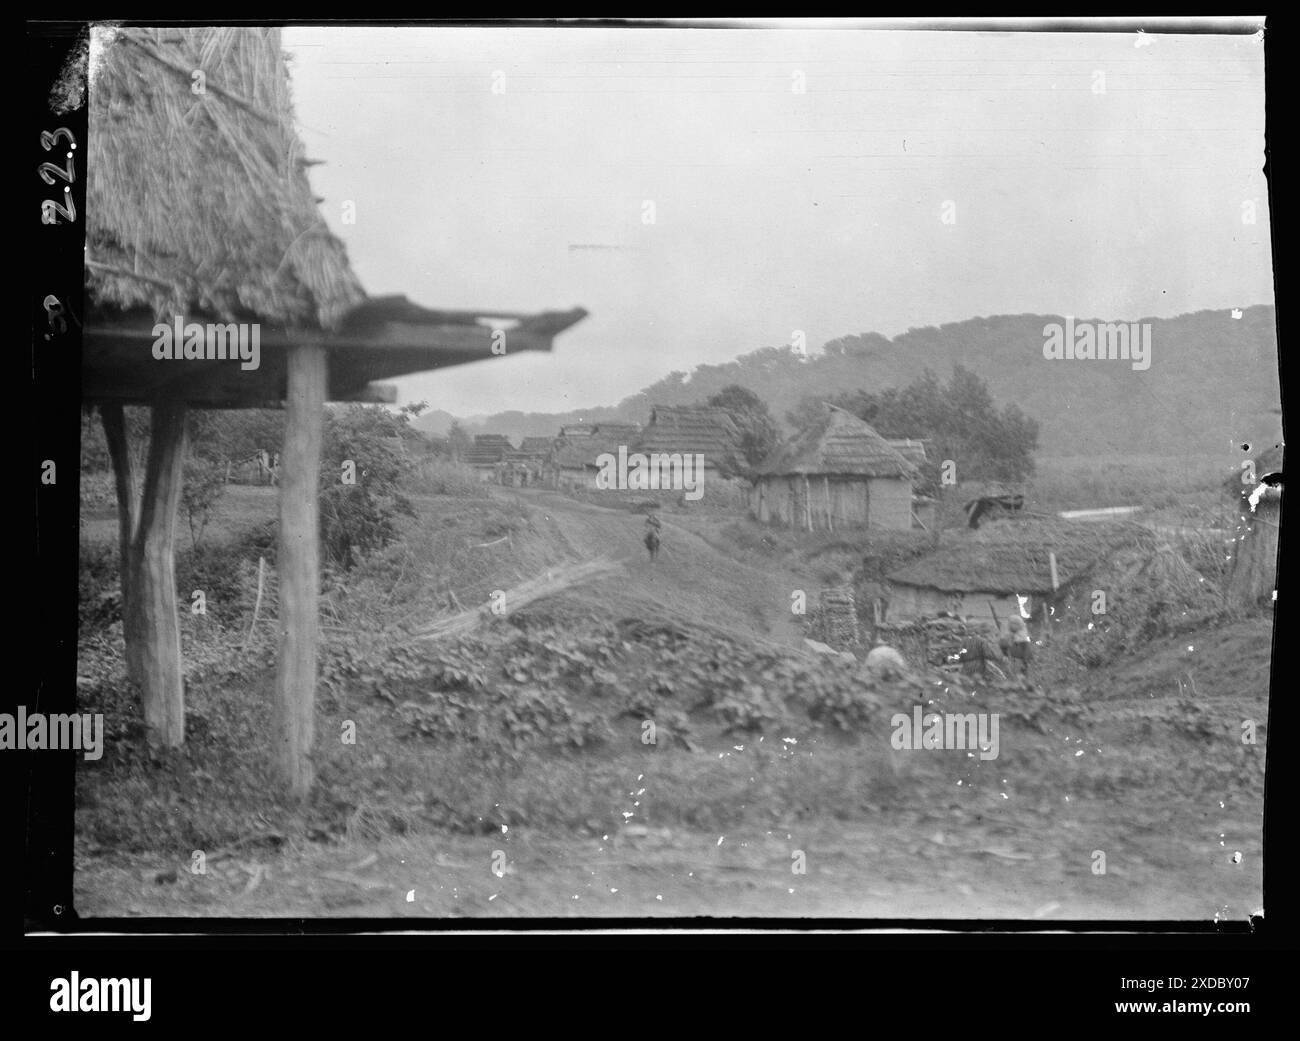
(582, 451)
(200, 202)
(691, 429)
(837, 442)
(537, 445)
(199, 205)
(624, 433)
(1157, 579)
(488, 449)
(912, 451)
(1014, 556)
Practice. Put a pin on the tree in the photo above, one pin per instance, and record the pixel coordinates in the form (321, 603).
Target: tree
(758, 430)
(459, 440)
(204, 484)
(228, 437)
(860, 346)
(363, 465)
(960, 421)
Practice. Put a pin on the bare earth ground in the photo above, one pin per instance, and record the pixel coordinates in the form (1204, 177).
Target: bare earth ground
(915, 869)
(1179, 848)
(690, 580)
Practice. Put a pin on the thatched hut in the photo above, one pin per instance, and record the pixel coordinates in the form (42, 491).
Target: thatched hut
(1255, 491)
(537, 447)
(486, 453)
(1150, 591)
(998, 565)
(694, 430)
(526, 465)
(835, 473)
(200, 213)
(573, 463)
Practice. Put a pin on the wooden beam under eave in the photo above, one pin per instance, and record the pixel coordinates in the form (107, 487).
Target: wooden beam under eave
(383, 340)
(299, 567)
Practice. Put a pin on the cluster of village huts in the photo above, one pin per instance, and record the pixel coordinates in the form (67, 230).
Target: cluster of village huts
(839, 474)
(571, 459)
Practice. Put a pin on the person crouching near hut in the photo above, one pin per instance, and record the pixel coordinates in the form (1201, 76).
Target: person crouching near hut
(1017, 645)
(977, 655)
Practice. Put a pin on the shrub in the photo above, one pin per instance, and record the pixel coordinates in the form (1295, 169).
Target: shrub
(363, 445)
(99, 594)
(227, 574)
(842, 701)
(204, 483)
(445, 477)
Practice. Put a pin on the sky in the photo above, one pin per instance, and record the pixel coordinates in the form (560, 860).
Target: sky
(826, 181)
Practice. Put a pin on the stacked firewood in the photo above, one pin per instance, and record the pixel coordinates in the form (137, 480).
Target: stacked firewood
(837, 618)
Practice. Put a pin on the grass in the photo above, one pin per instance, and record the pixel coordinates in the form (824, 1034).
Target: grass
(443, 477)
(240, 508)
(828, 558)
(1151, 482)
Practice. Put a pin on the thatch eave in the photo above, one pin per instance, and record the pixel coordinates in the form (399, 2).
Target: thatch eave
(1015, 557)
(197, 193)
(118, 362)
(837, 444)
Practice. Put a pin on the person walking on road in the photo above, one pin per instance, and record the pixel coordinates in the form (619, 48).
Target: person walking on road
(652, 529)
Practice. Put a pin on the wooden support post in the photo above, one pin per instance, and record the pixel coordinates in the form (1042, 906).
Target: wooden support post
(299, 566)
(119, 454)
(826, 487)
(152, 622)
(807, 504)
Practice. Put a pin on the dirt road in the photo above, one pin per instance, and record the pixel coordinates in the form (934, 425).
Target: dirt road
(690, 581)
